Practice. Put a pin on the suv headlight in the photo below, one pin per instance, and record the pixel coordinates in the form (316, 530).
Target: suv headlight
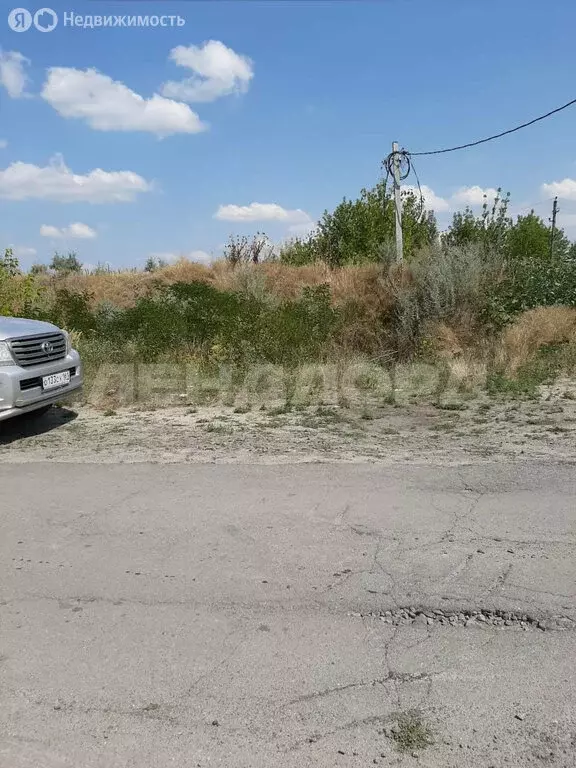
(68, 342)
(5, 354)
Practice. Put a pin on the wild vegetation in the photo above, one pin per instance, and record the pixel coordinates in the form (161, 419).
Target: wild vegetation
(470, 293)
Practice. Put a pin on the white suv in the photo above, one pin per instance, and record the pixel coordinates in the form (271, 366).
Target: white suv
(37, 366)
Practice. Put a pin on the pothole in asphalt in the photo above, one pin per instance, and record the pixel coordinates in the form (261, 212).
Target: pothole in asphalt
(470, 618)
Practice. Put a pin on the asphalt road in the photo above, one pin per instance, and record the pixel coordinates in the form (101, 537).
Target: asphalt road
(189, 616)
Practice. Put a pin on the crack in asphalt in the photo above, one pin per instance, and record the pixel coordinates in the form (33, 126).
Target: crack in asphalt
(395, 677)
(358, 723)
(501, 580)
(221, 663)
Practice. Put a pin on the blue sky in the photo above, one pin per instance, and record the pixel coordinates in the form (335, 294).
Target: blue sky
(266, 113)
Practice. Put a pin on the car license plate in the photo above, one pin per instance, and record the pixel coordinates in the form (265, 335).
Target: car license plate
(56, 380)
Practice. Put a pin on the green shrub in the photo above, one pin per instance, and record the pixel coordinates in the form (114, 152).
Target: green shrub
(444, 284)
(20, 295)
(216, 325)
(73, 311)
(529, 283)
(300, 330)
(64, 264)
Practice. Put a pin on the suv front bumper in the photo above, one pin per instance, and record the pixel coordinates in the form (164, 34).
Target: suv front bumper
(21, 388)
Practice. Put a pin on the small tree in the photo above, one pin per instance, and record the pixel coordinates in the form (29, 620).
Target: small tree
(297, 252)
(9, 264)
(360, 231)
(150, 265)
(489, 230)
(526, 238)
(530, 238)
(38, 269)
(64, 264)
(241, 250)
(20, 295)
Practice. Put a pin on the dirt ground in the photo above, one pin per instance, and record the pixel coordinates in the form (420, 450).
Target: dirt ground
(482, 429)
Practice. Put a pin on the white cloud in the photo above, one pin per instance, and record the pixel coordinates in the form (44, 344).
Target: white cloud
(565, 189)
(3, 143)
(109, 105)
(262, 212)
(217, 71)
(77, 231)
(46, 230)
(431, 199)
(473, 196)
(12, 74)
(25, 181)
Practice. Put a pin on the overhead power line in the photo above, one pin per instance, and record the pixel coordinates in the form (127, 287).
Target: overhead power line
(496, 135)
(531, 206)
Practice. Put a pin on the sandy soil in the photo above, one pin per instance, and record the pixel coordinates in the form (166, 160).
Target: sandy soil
(482, 429)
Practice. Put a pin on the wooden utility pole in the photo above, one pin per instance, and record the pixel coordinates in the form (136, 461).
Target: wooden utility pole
(397, 203)
(553, 227)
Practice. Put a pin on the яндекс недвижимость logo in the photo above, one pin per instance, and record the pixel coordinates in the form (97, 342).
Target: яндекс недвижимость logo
(46, 19)
(21, 19)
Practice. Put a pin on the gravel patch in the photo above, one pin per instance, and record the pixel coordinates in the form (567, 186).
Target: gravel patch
(471, 618)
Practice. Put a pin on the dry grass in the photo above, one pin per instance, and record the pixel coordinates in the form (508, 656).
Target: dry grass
(467, 353)
(123, 289)
(283, 281)
(445, 342)
(365, 285)
(531, 331)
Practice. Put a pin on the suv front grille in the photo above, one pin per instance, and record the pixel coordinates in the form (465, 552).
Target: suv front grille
(34, 350)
